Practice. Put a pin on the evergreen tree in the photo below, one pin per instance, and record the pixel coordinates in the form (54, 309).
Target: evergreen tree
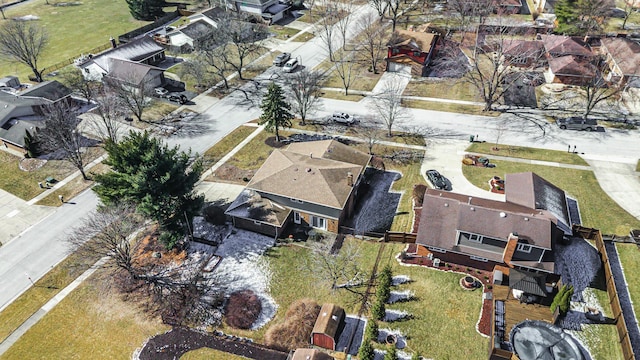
(31, 144)
(276, 111)
(392, 353)
(157, 179)
(371, 332)
(146, 10)
(366, 350)
(378, 310)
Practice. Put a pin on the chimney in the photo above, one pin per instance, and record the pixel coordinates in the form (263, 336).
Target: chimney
(113, 42)
(349, 179)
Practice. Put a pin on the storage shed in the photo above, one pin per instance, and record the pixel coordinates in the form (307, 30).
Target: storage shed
(328, 326)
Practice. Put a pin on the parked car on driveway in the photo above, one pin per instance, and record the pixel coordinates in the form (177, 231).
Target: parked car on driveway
(438, 181)
(281, 59)
(160, 92)
(176, 97)
(577, 123)
(290, 65)
(343, 118)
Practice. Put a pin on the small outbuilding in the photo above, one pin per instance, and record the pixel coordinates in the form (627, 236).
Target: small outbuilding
(310, 354)
(328, 326)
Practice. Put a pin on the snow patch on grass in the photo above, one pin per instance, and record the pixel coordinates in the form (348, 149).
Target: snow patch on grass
(397, 296)
(244, 266)
(395, 315)
(400, 279)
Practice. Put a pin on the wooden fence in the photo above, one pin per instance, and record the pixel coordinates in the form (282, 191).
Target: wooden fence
(69, 61)
(614, 301)
(405, 238)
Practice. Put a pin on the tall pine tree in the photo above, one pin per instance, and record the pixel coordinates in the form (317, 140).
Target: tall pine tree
(146, 10)
(157, 179)
(276, 111)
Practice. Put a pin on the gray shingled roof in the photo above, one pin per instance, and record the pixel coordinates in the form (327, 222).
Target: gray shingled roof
(130, 72)
(50, 90)
(136, 50)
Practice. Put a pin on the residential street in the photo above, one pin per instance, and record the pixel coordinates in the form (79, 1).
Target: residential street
(42, 246)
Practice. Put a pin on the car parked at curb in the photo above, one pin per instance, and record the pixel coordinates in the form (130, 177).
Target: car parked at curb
(281, 59)
(438, 181)
(577, 123)
(343, 118)
(290, 65)
(179, 98)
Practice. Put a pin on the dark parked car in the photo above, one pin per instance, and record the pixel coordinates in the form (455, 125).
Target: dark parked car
(281, 59)
(438, 181)
(179, 98)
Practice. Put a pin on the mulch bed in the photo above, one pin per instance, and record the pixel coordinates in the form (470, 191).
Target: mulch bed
(233, 174)
(31, 164)
(178, 341)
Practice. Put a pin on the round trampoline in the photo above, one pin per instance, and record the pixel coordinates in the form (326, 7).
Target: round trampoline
(539, 340)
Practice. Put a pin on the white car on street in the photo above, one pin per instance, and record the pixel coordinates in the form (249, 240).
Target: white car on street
(290, 66)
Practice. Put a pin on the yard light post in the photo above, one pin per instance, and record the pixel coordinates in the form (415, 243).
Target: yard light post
(30, 279)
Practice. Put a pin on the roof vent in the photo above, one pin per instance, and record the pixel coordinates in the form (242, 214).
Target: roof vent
(308, 169)
(503, 214)
(526, 219)
(469, 202)
(311, 155)
(446, 204)
(472, 208)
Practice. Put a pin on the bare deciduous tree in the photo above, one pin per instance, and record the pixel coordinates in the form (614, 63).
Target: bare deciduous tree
(244, 38)
(598, 91)
(471, 10)
(303, 88)
(492, 71)
(629, 8)
(341, 270)
(60, 133)
(344, 21)
(135, 97)
(328, 34)
(75, 81)
(209, 64)
(109, 110)
(369, 130)
(380, 6)
(344, 69)
(23, 42)
(388, 104)
(179, 292)
(373, 43)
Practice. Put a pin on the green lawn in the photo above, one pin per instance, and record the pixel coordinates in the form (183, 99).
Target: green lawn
(73, 30)
(252, 155)
(222, 147)
(602, 340)
(628, 254)
(90, 323)
(596, 207)
(527, 153)
(362, 79)
(447, 89)
(449, 107)
(24, 184)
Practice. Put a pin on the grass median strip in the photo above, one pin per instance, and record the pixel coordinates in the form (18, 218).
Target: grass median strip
(523, 152)
(226, 144)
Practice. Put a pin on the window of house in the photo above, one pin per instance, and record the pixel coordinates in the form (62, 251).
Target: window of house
(475, 238)
(318, 222)
(416, 53)
(296, 201)
(296, 217)
(257, 223)
(525, 248)
(395, 51)
(477, 258)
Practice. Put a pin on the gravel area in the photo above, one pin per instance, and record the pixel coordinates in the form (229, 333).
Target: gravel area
(578, 263)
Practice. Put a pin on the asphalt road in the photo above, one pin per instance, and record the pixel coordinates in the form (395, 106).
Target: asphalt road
(40, 248)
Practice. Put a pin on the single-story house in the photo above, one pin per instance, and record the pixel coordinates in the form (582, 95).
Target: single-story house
(310, 354)
(411, 48)
(328, 326)
(570, 70)
(623, 60)
(135, 74)
(523, 53)
(184, 39)
(23, 111)
(143, 50)
(270, 10)
(313, 183)
(10, 82)
(519, 232)
(507, 7)
(559, 45)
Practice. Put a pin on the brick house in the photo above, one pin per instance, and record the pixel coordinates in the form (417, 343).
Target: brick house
(411, 48)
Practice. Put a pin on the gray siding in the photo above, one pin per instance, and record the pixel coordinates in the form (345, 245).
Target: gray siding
(304, 207)
(534, 255)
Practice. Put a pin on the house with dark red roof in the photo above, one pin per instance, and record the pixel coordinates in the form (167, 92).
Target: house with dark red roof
(413, 49)
(571, 60)
(519, 232)
(623, 60)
